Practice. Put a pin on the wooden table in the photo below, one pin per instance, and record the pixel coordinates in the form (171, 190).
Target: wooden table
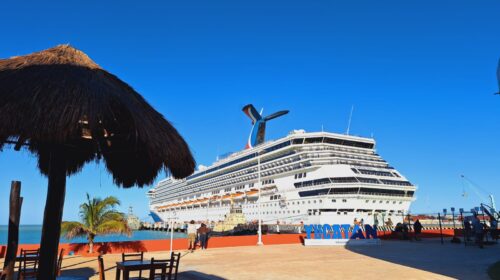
(128, 266)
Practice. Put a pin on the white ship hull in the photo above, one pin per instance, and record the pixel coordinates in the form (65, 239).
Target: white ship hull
(310, 178)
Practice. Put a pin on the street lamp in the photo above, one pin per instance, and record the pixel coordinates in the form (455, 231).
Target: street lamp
(172, 231)
(259, 242)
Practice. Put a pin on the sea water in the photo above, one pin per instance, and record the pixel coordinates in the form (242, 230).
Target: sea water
(31, 234)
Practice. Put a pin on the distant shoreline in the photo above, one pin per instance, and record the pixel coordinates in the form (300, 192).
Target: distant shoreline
(31, 234)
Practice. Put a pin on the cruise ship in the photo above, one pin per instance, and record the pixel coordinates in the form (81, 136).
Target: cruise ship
(302, 178)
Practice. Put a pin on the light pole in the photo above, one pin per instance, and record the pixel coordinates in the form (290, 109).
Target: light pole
(259, 242)
(172, 232)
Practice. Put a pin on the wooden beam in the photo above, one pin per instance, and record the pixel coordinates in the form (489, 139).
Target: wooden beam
(15, 204)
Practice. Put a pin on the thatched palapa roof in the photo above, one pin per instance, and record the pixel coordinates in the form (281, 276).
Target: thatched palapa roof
(60, 97)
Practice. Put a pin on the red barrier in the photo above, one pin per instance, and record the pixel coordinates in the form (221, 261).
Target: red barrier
(213, 242)
(3, 250)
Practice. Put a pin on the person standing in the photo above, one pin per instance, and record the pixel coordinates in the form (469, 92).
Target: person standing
(494, 228)
(191, 232)
(203, 236)
(417, 226)
(467, 229)
(478, 231)
(389, 223)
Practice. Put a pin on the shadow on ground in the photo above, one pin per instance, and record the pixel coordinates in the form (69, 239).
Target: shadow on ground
(80, 272)
(192, 275)
(452, 260)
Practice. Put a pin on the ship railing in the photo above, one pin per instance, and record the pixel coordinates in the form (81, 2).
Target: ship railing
(383, 194)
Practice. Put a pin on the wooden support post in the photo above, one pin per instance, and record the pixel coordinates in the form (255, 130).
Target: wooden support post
(52, 217)
(15, 204)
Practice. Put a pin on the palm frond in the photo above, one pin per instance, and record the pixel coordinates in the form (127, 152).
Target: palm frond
(114, 226)
(106, 204)
(112, 215)
(71, 230)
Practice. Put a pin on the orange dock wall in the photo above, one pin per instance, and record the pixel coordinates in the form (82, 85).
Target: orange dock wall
(213, 242)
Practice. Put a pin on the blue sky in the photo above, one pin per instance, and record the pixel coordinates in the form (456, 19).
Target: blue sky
(421, 76)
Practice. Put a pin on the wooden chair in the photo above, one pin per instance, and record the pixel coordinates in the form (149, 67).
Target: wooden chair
(175, 259)
(28, 265)
(162, 276)
(59, 262)
(100, 262)
(134, 257)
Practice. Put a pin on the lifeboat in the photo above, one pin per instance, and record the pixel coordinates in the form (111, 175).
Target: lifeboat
(252, 193)
(237, 196)
(226, 197)
(203, 201)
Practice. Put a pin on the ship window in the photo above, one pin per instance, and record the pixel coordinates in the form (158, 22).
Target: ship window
(344, 180)
(320, 201)
(298, 211)
(396, 183)
(376, 172)
(298, 141)
(368, 180)
(344, 200)
(314, 201)
(313, 140)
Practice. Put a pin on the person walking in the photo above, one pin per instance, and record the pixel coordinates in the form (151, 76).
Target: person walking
(417, 227)
(191, 232)
(203, 236)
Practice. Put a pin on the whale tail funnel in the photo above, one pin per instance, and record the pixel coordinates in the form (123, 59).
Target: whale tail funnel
(258, 132)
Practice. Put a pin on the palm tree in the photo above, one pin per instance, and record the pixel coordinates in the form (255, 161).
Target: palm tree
(98, 217)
